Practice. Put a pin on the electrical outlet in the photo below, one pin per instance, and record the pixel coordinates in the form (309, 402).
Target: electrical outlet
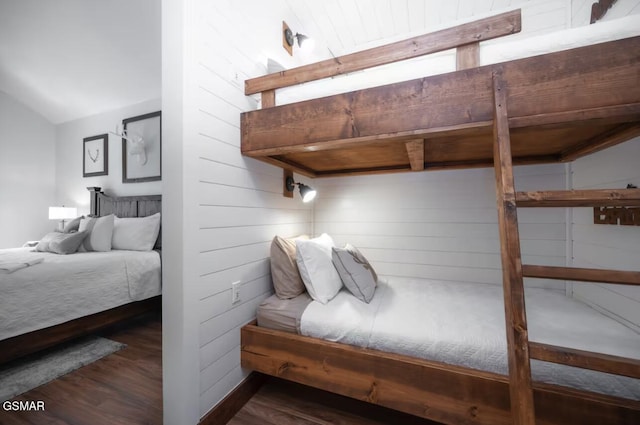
(235, 292)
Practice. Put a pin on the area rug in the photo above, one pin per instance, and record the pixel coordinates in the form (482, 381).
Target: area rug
(22, 375)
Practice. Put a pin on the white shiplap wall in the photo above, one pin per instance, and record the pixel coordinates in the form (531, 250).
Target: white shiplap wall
(607, 246)
(440, 224)
(231, 205)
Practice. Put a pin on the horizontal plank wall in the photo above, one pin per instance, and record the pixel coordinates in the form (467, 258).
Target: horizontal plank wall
(440, 224)
(607, 246)
(240, 206)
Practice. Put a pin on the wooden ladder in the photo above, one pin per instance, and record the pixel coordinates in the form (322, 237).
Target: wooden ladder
(520, 350)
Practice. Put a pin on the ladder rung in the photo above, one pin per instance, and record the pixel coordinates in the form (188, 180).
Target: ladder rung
(580, 274)
(579, 198)
(585, 359)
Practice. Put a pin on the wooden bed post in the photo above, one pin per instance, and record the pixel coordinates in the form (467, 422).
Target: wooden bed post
(93, 199)
(522, 408)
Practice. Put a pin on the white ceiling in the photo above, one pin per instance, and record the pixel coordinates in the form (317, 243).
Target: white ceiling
(68, 59)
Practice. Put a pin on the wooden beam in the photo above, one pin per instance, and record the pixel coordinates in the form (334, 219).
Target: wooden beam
(483, 29)
(468, 56)
(585, 359)
(287, 165)
(443, 102)
(582, 274)
(610, 138)
(522, 408)
(604, 115)
(415, 150)
(268, 99)
(580, 198)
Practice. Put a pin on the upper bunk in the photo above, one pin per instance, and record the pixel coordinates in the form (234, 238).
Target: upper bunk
(561, 106)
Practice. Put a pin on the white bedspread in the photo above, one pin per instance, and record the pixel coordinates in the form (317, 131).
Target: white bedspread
(65, 287)
(463, 324)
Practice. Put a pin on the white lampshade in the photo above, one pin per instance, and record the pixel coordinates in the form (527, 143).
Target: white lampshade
(62, 213)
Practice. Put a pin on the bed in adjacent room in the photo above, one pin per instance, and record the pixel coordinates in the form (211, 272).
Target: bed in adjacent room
(73, 283)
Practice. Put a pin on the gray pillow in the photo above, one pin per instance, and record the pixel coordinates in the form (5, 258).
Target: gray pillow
(355, 271)
(61, 243)
(72, 225)
(99, 232)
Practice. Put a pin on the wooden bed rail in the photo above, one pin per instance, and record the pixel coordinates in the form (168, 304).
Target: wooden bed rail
(619, 277)
(449, 38)
(580, 198)
(585, 359)
(437, 391)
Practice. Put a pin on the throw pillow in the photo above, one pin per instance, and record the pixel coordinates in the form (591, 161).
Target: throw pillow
(355, 271)
(316, 268)
(99, 232)
(72, 225)
(287, 282)
(61, 243)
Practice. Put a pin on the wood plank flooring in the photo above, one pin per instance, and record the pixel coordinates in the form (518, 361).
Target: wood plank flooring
(280, 402)
(122, 388)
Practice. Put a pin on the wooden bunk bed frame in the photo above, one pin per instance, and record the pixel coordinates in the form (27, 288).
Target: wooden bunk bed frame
(31, 342)
(550, 108)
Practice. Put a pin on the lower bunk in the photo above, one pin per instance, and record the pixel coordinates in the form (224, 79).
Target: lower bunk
(461, 377)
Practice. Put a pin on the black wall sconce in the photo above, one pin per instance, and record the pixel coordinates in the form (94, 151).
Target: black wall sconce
(307, 193)
(289, 38)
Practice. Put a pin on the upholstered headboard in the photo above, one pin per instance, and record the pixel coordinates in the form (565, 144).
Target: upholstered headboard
(126, 206)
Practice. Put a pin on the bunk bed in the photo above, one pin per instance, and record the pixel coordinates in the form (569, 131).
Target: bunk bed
(550, 108)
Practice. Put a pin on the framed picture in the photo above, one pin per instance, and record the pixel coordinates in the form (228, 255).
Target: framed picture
(95, 156)
(142, 148)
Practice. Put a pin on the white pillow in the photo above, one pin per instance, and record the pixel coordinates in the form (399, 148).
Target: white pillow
(316, 267)
(99, 231)
(136, 233)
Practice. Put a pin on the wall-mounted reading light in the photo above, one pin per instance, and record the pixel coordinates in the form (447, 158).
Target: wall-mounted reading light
(289, 39)
(306, 192)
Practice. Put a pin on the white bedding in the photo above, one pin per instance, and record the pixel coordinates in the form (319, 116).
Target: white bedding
(65, 287)
(463, 324)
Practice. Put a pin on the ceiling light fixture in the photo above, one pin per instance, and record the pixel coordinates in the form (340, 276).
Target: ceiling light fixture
(306, 192)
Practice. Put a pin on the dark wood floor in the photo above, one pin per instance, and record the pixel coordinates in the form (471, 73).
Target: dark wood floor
(122, 388)
(285, 403)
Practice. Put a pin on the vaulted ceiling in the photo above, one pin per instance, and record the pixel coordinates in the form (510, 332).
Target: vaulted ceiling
(72, 58)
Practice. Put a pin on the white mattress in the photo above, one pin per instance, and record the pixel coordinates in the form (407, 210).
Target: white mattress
(463, 324)
(65, 287)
